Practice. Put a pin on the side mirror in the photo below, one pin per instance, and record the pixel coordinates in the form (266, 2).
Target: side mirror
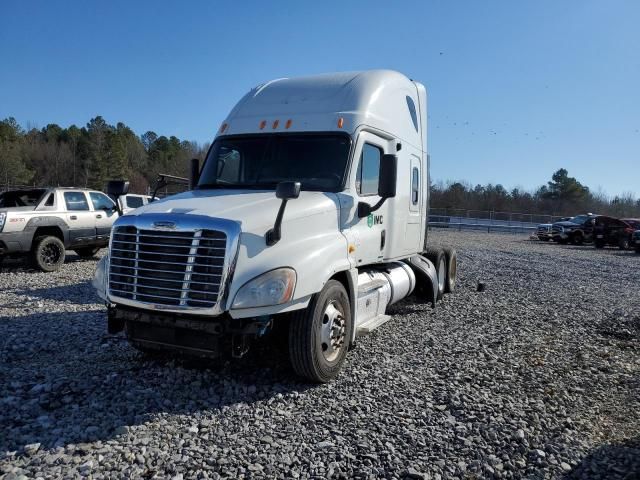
(288, 190)
(388, 176)
(285, 191)
(117, 188)
(195, 173)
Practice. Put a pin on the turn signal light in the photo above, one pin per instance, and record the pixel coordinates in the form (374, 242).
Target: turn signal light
(223, 127)
(340, 122)
(288, 124)
(263, 124)
(275, 124)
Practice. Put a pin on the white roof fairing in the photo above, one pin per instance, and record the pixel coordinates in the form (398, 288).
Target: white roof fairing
(376, 98)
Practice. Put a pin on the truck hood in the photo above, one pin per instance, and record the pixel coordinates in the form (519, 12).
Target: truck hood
(567, 224)
(255, 210)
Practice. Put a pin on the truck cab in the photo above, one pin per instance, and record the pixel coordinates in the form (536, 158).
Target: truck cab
(310, 209)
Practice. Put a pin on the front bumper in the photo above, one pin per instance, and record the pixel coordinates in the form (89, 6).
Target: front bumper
(14, 243)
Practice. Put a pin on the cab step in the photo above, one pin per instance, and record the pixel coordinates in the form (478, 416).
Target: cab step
(370, 325)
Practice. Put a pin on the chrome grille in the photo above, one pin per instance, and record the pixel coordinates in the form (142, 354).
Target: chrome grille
(169, 268)
(544, 229)
(556, 229)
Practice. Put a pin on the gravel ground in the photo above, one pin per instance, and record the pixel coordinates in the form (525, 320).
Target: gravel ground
(536, 377)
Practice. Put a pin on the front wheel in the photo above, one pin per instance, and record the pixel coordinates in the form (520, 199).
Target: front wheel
(624, 244)
(319, 335)
(48, 253)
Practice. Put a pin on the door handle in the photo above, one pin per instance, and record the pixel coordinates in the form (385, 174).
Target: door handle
(98, 216)
(73, 217)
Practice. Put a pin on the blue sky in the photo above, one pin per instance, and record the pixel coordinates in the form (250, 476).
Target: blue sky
(517, 89)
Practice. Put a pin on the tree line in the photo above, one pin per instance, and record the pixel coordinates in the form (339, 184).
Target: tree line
(562, 196)
(89, 156)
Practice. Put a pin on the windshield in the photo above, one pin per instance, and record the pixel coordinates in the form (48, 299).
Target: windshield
(580, 219)
(21, 198)
(318, 162)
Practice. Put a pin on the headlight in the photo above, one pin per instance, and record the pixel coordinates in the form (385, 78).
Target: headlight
(271, 288)
(3, 217)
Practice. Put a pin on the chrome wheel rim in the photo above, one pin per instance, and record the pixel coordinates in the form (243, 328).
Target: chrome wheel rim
(332, 332)
(442, 269)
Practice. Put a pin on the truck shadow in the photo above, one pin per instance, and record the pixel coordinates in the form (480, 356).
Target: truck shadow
(81, 293)
(23, 264)
(73, 383)
(617, 461)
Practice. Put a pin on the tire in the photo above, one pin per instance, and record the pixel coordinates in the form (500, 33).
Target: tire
(48, 253)
(599, 243)
(452, 269)
(312, 331)
(577, 239)
(624, 244)
(438, 258)
(638, 250)
(87, 252)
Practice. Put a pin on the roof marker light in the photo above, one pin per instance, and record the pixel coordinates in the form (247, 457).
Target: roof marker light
(340, 122)
(275, 124)
(288, 124)
(223, 127)
(263, 124)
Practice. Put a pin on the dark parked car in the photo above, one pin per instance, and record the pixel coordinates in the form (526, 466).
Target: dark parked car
(636, 240)
(612, 231)
(577, 230)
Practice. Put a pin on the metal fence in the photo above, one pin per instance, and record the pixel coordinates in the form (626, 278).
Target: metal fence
(489, 221)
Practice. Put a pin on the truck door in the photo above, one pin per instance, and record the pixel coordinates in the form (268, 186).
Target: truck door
(414, 223)
(105, 214)
(369, 234)
(82, 230)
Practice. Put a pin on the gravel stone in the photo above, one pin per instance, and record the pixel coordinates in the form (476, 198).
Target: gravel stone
(537, 377)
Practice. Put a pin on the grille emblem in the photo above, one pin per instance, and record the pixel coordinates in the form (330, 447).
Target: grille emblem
(164, 225)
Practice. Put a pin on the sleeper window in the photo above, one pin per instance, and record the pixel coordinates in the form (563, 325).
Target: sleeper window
(367, 176)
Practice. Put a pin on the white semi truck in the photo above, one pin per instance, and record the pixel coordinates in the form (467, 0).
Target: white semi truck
(310, 212)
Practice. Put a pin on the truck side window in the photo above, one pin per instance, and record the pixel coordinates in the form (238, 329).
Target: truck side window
(368, 172)
(415, 186)
(49, 202)
(76, 201)
(101, 202)
(133, 202)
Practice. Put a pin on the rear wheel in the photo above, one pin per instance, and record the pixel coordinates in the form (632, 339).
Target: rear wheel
(319, 335)
(439, 260)
(624, 244)
(48, 253)
(452, 269)
(87, 252)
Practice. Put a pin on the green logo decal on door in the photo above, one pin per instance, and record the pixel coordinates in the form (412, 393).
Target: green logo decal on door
(370, 220)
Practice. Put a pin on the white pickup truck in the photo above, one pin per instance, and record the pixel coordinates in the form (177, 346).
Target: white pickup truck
(309, 211)
(43, 222)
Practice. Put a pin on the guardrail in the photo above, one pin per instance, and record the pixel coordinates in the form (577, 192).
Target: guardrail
(487, 220)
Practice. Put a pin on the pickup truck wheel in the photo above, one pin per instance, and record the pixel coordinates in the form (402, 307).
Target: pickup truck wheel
(48, 253)
(439, 260)
(319, 336)
(577, 239)
(87, 252)
(452, 269)
(624, 244)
